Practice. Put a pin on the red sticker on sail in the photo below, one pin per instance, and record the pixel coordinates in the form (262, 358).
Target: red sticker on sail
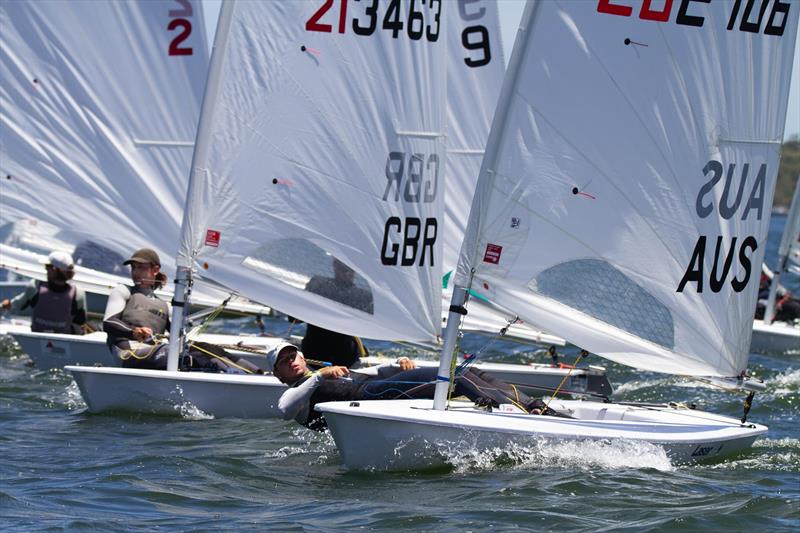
(212, 238)
(492, 254)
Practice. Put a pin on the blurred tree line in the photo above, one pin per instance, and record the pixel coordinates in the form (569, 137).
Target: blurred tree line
(787, 172)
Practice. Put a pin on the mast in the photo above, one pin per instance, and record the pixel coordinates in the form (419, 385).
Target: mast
(492, 146)
(790, 234)
(184, 259)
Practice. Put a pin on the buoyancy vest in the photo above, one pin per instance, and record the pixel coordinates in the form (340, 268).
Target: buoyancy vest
(146, 311)
(52, 312)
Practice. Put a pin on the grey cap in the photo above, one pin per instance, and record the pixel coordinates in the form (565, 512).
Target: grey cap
(272, 355)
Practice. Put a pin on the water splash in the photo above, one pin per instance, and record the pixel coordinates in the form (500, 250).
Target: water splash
(72, 397)
(318, 445)
(588, 455)
(187, 409)
(631, 386)
(787, 382)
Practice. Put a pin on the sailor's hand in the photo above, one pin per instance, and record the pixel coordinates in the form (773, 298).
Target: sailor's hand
(406, 364)
(333, 372)
(142, 334)
(6, 303)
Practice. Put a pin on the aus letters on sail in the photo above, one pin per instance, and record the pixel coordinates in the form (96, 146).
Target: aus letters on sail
(732, 203)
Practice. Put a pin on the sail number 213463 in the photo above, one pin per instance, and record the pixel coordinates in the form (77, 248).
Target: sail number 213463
(419, 18)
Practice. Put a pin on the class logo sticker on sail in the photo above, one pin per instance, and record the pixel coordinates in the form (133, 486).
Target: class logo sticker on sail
(744, 15)
(492, 254)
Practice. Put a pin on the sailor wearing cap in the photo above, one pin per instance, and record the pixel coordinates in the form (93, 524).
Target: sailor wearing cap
(400, 379)
(135, 318)
(56, 305)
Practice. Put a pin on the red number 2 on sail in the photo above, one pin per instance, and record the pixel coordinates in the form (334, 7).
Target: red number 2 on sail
(313, 24)
(175, 48)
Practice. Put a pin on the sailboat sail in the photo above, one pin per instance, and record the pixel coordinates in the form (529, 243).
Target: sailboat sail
(474, 76)
(789, 249)
(99, 103)
(788, 254)
(316, 183)
(624, 199)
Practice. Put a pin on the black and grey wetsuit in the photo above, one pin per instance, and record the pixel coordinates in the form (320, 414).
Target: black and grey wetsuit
(388, 382)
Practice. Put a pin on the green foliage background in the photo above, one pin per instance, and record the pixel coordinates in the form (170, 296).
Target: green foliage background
(787, 172)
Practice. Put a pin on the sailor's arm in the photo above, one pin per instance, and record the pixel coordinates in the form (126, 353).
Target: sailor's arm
(21, 300)
(294, 403)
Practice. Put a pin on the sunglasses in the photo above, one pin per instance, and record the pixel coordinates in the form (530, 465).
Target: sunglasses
(291, 356)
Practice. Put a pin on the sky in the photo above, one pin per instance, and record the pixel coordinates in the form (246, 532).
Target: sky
(510, 14)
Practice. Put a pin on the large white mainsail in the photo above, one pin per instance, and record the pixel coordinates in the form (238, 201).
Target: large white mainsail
(626, 203)
(322, 140)
(98, 131)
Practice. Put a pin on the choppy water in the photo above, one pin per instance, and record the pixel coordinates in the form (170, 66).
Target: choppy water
(64, 469)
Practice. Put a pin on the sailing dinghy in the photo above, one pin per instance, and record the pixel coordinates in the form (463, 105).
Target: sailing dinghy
(321, 139)
(623, 203)
(769, 335)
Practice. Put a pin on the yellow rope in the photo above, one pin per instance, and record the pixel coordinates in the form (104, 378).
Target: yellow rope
(221, 358)
(361, 350)
(127, 354)
(569, 372)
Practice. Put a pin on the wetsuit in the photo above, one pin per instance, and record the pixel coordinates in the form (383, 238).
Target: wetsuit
(388, 382)
(55, 308)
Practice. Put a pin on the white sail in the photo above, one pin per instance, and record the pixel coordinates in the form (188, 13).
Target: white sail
(475, 70)
(321, 139)
(789, 249)
(633, 148)
(99, 104)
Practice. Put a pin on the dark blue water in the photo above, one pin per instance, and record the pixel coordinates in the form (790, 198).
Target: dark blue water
(61, 468)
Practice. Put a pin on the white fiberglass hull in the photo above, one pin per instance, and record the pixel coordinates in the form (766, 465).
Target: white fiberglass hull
(777, 337)
(9, 326)
(55, 350)
(160, 392)
(221, 395)
(409, 434)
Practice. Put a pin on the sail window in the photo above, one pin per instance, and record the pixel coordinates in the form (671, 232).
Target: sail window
(303, 265)
(600, 290)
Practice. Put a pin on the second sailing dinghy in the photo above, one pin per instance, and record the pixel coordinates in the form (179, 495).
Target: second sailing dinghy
(623, 204)
(321, 142)
(770, 335)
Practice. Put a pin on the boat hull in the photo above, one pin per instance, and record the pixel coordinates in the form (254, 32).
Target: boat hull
(410, 435)
(160, 392)
(777, 337)
(56, 350)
